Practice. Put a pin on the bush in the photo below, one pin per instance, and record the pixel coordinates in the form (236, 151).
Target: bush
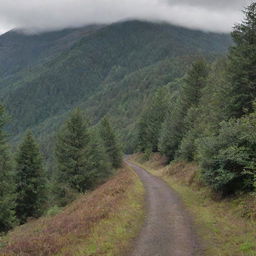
(228, 159)
(53, 211)
(187, 147)
(64, 194)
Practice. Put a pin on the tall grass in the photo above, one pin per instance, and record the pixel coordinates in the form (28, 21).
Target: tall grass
(95, 224)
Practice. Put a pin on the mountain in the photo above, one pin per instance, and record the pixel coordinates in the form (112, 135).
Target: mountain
(21, 51)
(111, 70)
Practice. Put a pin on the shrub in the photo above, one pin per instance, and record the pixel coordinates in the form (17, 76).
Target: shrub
(228, 159)
(53, 211)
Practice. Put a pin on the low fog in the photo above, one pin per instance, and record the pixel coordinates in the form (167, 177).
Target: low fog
(37, 15)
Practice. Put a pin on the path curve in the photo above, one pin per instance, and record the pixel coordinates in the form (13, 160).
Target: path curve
(168, 229)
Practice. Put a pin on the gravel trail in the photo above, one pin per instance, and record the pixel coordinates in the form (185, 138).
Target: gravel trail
(168, 228)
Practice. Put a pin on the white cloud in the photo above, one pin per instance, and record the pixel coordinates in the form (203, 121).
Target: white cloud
(42, 15)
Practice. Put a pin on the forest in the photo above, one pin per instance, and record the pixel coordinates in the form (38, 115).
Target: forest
(188, 101)
(211, 116)
(84, 158)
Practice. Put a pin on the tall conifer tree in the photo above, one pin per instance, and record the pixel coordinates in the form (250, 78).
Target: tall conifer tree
(151, 121)
(242, 64)
(182, 111)
(7, 193)
(30, 180)
(73, 152)
(111, 144)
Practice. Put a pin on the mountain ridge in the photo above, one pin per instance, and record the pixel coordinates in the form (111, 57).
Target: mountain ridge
(98, 64)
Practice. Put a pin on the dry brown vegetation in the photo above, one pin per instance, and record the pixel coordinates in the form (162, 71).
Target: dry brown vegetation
(70, 232)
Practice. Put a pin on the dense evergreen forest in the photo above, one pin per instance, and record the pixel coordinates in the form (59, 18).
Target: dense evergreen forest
(111, 70)
(84, 158)
(69, 110)
(211, 116)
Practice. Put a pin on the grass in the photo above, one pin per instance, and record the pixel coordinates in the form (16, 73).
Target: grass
(223, 230)
(103, 222)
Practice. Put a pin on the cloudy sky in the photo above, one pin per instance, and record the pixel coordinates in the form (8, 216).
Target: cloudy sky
(44, 15)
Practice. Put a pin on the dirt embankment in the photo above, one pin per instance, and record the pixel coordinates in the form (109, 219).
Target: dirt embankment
(99, 223)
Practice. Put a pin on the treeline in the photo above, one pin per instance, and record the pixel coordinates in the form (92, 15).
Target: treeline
(211, 116)
(84, 157)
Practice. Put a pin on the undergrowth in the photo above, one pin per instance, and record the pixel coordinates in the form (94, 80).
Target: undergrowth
(103, 222)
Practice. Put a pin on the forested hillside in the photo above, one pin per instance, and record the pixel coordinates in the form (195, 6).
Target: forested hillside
(83, 159)
(70, 103)
(211, 117)
(110, 71)
(19, 51)
(73, 101)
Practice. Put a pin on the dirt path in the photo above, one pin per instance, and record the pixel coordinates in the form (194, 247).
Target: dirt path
(168, 228)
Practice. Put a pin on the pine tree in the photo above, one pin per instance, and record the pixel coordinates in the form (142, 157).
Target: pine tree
(151, 121)
(172, 130)
(30, 180)
(180, 118)
(142, 143)
(100, 167)
(242, 64)
(215, 101)
(110, 143)
(7, 188)
(195, 81)
(73, 153)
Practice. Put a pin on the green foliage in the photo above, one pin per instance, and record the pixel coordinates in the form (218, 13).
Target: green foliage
(7, 188)
(72, 152)
(228, 159)
(53, 211)
(113, 71)
(183, 113)
(194, 82)
(191, 95)
(63, 194)
(151, 121)
(211, 122)
(216, 99)
(81, 159)
(30, 180)
(111, 145)
(121, 70)
(21, 51)
(242, 64)
(171, 128)
(226, 149)
(101, 165)
(187, 148)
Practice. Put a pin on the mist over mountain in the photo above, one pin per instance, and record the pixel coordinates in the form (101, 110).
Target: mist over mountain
(217, 16)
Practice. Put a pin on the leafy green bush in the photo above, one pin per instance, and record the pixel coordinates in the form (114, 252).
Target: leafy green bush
(187, 147)
(53, 211)
(228, 159)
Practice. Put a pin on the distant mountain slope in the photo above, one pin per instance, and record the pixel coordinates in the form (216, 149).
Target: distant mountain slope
(110, 71)
(19, 51)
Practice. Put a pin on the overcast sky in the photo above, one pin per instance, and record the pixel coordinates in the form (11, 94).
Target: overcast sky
(44, 15)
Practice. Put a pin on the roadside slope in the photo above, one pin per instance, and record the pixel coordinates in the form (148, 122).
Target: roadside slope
(99, 223)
